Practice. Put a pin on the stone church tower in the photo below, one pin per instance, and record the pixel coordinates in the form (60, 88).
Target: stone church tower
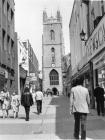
(52, 53)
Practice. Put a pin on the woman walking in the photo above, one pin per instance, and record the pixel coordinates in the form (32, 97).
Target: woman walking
(6, 103)
(27, 101)
(15, 103)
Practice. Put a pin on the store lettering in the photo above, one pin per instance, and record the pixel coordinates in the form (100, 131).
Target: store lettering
(96, 41)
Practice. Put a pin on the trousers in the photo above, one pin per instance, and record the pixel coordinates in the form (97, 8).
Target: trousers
(39, 106)
(27, 110)
(80, 121)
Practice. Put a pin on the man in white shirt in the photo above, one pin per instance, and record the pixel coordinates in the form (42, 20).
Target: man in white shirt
(79, 103)
(39, 98)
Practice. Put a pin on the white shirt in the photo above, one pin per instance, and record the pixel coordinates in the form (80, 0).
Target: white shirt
(79, 99)
(38, 95)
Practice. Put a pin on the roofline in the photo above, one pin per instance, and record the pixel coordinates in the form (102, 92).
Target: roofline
(72, 12)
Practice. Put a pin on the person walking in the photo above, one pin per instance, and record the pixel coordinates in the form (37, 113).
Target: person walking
(99, 94)
(26, 101)
(79, 106)
(39, 98)
(15, 103)
(6, 106)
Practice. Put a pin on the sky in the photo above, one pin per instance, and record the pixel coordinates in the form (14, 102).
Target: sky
(29, 21)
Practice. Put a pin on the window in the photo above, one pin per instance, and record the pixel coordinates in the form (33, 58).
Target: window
(8, 40)
(12, 15)
(3, 39)
(52, 33)
(54, 77)
(8, 14)
(12, 48)
(102, 7)
(3, 5)
(53, 55)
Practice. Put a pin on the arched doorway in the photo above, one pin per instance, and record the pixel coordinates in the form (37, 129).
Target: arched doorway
(55, 91)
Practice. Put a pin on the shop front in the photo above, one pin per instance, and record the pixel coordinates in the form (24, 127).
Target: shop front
(99, 69)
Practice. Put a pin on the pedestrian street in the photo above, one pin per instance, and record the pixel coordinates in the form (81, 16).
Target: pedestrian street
(55, 123)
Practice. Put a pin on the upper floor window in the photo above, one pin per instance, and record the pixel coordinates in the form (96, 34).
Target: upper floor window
(52, 34)
(8, 42)
(8, 11)
(3, 6)
(102, 7)
(12, 15)
(3, 38)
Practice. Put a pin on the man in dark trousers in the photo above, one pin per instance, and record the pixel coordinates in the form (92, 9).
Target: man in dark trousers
(99, 94)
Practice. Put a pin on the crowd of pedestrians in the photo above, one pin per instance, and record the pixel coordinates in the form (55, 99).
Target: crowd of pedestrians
(13, 101)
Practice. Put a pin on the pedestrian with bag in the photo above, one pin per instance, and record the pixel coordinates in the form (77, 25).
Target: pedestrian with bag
(99, 94)
(27, 101)
(79, 106)
(39, 98)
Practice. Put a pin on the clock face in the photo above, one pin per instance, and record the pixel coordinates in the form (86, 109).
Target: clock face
(53, 65)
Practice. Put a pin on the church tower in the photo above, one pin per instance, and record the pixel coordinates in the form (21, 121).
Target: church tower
(52, 52)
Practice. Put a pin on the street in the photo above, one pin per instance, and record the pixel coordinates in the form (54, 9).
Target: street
(54, 123)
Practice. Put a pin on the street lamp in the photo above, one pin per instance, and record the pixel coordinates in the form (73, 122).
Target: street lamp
(82, 36)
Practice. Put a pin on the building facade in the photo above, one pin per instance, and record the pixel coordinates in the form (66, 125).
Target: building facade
(7, 45)
(52, 53)
(66, 74)
(28, 66)
(33, 69)
(88, 20)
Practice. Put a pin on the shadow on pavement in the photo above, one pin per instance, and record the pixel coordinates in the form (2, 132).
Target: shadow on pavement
(64, 122)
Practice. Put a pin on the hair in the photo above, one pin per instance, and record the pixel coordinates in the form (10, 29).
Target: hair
(26, 90)
(79, 81)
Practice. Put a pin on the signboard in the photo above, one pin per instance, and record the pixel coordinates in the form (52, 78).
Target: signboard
(96, 41)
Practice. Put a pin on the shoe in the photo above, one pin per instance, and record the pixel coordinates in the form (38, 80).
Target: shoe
(76, 137)
(27, 119)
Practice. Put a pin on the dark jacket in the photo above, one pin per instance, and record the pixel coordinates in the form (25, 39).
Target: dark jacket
(26, 99)
(99, 93)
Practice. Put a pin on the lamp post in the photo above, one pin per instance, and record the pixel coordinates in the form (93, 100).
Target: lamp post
(82, 36)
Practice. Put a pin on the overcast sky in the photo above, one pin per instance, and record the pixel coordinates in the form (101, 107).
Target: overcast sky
(29, 24)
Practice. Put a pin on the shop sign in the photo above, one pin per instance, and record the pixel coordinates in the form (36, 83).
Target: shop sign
(97, 40)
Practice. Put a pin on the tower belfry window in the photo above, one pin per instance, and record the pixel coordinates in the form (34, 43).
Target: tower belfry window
(53, 55)
(52, 34)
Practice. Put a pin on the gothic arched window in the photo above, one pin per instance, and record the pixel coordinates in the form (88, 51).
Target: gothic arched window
(52, 34)
(54, 77)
